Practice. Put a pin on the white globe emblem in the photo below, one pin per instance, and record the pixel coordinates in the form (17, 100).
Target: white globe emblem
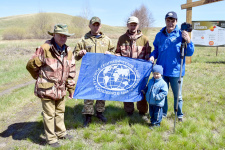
(116, 77)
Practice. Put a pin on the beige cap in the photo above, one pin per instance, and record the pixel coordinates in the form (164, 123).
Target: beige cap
(133, 19)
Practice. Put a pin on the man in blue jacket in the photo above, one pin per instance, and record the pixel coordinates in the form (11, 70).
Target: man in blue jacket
(167, 51)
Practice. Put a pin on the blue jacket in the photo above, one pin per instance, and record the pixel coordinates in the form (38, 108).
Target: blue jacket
(157, 91)
(167, 51)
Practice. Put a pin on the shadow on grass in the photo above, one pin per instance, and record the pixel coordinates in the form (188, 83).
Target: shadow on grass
(75, 119)
(34, 131)
(24, 131)
(216, 62)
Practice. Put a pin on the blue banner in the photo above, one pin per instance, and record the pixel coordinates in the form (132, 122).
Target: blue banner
(110, 77)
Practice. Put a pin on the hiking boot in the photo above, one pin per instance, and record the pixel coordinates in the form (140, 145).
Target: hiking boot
(101, 117)
(87, 120)
(67, 136)
(141, 113)
(56, 144)
(129, 114)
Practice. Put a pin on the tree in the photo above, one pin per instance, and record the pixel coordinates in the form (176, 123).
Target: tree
(42, 24)
(145, 17)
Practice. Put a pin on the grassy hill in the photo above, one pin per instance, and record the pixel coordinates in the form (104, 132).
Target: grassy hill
(30, 22)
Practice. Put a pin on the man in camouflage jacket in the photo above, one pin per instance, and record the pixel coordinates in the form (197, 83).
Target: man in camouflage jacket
(95, 42)
(53, 67)
(134, 44)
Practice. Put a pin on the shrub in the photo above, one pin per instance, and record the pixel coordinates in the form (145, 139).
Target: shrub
(42, 23)
(14, 33)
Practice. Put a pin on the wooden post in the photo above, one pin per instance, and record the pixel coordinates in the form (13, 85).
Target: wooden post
(217, 48)
(188, 6)
(189, 20)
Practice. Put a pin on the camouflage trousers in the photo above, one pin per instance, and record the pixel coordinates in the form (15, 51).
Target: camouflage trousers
(89, 108)
(142, 106)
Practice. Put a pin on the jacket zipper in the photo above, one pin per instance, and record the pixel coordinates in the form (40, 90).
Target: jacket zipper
(151, 89)
(95, 45)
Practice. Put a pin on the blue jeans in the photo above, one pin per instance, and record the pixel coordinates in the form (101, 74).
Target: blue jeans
(155, 114)
(174, 85)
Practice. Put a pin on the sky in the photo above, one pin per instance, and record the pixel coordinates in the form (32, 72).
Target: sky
(114, 12)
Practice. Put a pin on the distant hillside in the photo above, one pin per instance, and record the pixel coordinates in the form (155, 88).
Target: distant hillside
(26, 24)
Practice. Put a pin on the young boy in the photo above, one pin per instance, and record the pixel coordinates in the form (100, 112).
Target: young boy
(155, 96)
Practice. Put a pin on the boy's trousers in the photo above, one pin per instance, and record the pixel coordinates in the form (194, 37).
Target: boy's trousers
(155, 113)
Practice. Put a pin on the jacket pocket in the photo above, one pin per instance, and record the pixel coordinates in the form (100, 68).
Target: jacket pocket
(141, 52)
(47, 90)
(125, 50)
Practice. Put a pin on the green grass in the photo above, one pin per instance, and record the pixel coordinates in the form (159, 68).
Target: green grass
(204, 107)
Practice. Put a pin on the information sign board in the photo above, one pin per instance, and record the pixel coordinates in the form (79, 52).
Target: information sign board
(208, 33)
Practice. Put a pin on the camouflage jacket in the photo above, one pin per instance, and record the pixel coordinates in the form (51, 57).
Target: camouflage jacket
(54, 72)
(95, 45)
(133, 46)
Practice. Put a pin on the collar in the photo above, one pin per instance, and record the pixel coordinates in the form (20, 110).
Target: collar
(55, 48)
(164, 30)
(134, 37)
(89, 35)
(158, 79)
(60, 49)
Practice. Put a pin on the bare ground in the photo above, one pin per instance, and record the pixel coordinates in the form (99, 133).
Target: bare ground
(20, 125)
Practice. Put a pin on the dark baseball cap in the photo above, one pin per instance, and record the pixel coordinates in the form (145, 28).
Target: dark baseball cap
(94, 20)
(171, 14)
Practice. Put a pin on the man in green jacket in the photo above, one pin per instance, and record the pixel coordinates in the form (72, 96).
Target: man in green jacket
(96, 42)
(134, 44)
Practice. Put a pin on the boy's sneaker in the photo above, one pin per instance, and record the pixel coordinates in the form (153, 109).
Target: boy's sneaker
(55, 145)
(180, 119)
(152, 126)
(164, 116)
(67, 136)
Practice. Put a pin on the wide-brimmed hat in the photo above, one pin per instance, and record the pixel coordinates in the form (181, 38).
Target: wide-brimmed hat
(60, 29)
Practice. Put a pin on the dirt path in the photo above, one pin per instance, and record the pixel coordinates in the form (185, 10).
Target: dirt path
(19, 126)
(16, 87)
(16, 127)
